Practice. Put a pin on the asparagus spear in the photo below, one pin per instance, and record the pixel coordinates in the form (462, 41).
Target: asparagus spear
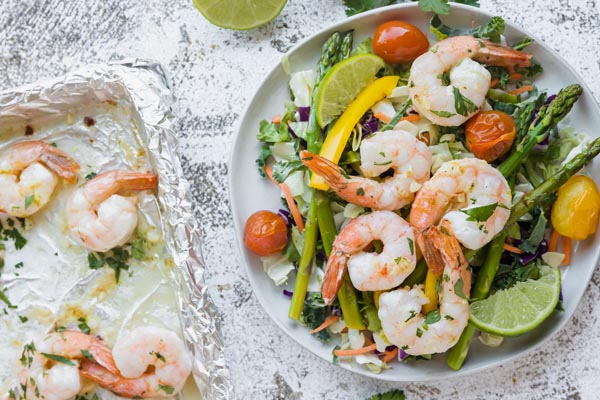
(313, 143)
(457, 355)
(548, 116)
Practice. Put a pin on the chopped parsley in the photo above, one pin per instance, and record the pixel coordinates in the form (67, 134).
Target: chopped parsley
(411, 245)
(158, 355)
(432, 317)
(463, 105)
(443, 114)
(57, 358)
(28, 201)
(166, 388)
(83, 325)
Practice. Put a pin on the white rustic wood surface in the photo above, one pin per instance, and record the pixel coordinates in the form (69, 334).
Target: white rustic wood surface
(214, 73)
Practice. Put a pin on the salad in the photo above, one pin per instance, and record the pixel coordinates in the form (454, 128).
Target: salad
(428, 192)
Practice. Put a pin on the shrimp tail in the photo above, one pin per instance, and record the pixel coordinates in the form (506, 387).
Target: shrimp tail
(334, 276)
(102, 355)
(432, 255)
(502, 56)
(129, 180)
(61, 163)
(449, 251)
(129, 388)
(332, 173)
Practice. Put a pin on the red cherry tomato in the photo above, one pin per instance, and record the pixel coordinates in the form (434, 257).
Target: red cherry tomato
(265, 233)
(399, 42)
(490, 134)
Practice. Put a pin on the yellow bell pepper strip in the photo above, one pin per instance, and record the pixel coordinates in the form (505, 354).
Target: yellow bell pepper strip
(340, 132)
(431, 291)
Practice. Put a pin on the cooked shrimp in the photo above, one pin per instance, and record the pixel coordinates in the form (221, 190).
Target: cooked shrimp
(41, 376)
(400, 310)
(145, 349)
(398, 150)
(451, 67)
(456, 187)
(27, 176)
(100, 215)
(370, 271)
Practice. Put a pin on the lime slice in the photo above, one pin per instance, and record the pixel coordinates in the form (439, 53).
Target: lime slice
(521, 308)
(239, 14)
(343, 83)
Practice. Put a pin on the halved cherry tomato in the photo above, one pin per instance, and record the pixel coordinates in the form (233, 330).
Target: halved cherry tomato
(265, 233)
(490, 134)
(399, 42)
(577, 208)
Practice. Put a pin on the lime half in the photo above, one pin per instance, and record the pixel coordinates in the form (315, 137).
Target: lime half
(343, 83)
(239, 14)
(521, 308)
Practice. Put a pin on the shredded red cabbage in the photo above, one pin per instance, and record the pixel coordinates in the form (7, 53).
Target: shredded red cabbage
(285, 214)
(287, 293)
(369, 125)
(303, 113)
(402, 354)
(526, 258)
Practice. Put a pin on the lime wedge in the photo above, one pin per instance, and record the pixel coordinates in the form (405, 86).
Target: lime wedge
(521, 308)
(239, 14)
(343, 83)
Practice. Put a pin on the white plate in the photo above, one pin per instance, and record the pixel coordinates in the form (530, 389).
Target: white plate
(249, 192)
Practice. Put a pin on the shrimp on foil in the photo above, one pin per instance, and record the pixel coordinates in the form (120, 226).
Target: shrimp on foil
(452, 194)
(28, 176)
(48, 368)
(152, 362)
(103, 212)
(448, 85)
(400, 151)
(370, 271)
(402, 321)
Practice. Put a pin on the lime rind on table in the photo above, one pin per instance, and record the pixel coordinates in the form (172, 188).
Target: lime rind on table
(240, 14)
(343, 83)
(520, 308)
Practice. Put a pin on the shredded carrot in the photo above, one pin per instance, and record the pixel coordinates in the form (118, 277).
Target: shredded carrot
(381, 116)
(289, 198)
(355, 352)
(494, 82)
(390, 355)
(515, 76)
(276, 119)
(522, 89)
(411, 118)
(512, 249)
(325, 324)
(553, 245)
(566, 250)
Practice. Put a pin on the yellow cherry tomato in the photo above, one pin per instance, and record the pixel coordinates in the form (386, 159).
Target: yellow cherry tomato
(577, 208)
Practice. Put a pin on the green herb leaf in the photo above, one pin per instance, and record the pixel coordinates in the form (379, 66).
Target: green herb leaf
(463, 105)
(166, 388)
(521, 44)
(23, 318)
(87, 355)
(442, 31)
(158, 355)
(432, 317)
(443, 114)
(283, 169)
(411, 245)
(95, 261)
(83, 326)
(480, 214)
(494, 29)
(458, 289)
(269, 132)
(391, 395)
(90, 176)
(436, 6)
(5, 299)
(364, 47)
(28, 201)
(419, 332)
(263, 156)
(138, 249)
(357, 6)
(57, 358)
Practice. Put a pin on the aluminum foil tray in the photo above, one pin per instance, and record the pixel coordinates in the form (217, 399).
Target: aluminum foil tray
(106, 117)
